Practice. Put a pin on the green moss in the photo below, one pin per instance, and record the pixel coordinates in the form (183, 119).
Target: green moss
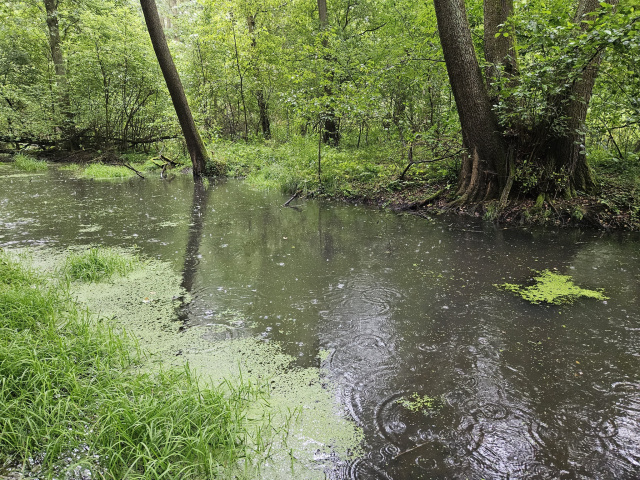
(552, 288)
(28, 164)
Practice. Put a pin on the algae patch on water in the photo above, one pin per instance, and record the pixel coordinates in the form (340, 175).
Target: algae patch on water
(309, 429)
(416, 403)
(552, 288)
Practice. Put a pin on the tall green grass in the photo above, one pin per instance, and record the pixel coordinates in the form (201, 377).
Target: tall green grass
(28, 164)
(101, 171)
(98, 264)
(72, 401)
(345, 172)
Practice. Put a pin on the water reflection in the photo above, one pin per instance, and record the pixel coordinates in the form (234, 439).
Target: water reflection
(389, 307)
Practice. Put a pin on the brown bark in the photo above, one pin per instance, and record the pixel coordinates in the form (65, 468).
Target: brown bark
(499, 42)
(568, 152)
(484, 171)
(194, 142)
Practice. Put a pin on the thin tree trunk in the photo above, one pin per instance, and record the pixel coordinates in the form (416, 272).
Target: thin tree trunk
(572, 148)
(55, 45)
(244, 105)
(330, 131)
(263, 107)
(484, 170)
(195, 145)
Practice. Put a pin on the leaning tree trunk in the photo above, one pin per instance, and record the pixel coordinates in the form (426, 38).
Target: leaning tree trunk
(195, 145)
(483, 173)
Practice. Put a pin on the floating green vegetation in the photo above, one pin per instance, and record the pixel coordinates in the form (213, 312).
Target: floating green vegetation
(98, 264)
(101, 171)
(323, 355)
(28, 164)
(552, 288)
(73, 402)
(70, 167)
(416, 403)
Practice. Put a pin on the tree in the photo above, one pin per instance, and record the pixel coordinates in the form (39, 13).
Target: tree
(551, 143)
(195, 145)
(263, 107)
(483, 172)
(55, 46)
(328, 122)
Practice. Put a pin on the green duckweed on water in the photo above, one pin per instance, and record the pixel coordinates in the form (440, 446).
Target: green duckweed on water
(416, 403)
(306, 426)
(552, 288)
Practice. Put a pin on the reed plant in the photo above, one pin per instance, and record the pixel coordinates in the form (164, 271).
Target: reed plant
(101, 171)
(28, 164)
(96, 264)
(75, 404)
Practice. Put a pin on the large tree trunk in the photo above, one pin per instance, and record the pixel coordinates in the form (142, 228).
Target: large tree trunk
(195, 146)
(484, 170)
(566, 154)
(329, 123)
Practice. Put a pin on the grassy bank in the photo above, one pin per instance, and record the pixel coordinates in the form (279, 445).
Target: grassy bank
(73, 402)
(369, 173)
(379, 175)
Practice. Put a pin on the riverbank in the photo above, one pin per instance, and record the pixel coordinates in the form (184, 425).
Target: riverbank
(100, 380)
(380, 175)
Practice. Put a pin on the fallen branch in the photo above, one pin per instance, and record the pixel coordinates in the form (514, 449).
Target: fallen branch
(168, 160)
(408, 451)
(295, 195)
(423, 202)
(131, 168)
(412, 162)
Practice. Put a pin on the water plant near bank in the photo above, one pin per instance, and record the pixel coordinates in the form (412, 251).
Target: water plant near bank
(96, 264)
(28, 164)
(73, 402)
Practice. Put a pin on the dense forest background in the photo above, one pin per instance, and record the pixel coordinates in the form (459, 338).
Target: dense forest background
(557, 87)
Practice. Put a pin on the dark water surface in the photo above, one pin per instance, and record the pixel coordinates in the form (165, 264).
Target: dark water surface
(390, 306)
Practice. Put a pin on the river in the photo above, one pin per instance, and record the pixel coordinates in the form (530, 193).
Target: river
(390, 308)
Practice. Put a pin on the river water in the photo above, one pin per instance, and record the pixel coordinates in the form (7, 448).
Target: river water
(391, 308)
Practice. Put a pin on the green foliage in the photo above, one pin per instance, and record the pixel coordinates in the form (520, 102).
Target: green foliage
(552, 288)
(98, 264)
(28, 164)
(100, 171)
(72, 402)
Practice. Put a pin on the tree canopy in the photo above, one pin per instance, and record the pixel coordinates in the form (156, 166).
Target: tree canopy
(558, 81)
